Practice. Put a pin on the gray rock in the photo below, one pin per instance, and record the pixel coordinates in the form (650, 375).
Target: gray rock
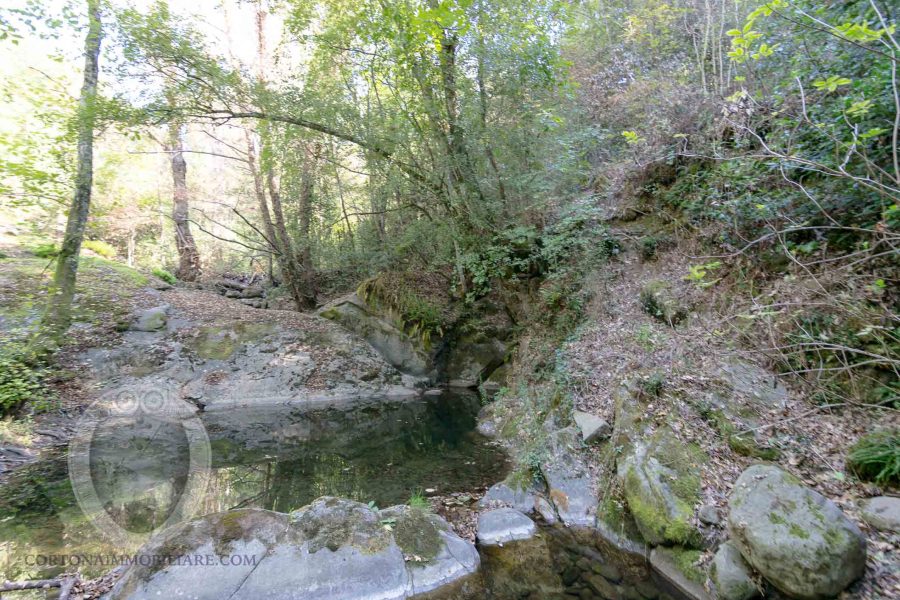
(882, 512)
(332, 548)
(569, 483)
(593, 428)
(470, 362)
(662, 510)
(546, 510)
(665, 564)
(796, 538)
(152, 319)
(709, 515)
(501, 495)
(731, 575)
(502, 525)
(408, 354)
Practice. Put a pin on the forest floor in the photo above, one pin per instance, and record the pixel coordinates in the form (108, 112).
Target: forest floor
(691, 362)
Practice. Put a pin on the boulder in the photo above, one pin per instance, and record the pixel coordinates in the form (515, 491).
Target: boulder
(502, 495)
(593, 428)
(796, 538)
(709, 515)
(502, 525)
(332, 548)
(731, 575)
(569, 481)
(661, 486)
(882, 512)
(152, 319)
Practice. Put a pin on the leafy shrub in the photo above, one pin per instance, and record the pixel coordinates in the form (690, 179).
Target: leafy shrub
(100, 248)
(47, 250)
(3, 255)
(876, 457)
(20, 379)
(165, 275)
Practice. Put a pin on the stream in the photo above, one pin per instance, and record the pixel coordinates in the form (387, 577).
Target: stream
(275, 457)
(375, 450)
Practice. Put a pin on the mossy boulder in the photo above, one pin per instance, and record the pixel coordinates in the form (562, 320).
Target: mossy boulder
(796, 538)
(332, 548)
(661, 487)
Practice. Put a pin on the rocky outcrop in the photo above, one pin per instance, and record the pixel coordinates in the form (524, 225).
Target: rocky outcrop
(332, 548)
(796, 538)
(472, 360)
(569, 482)
(244, 363)
(661, 486)
(405, 352)
(731, 575)
(660, 300)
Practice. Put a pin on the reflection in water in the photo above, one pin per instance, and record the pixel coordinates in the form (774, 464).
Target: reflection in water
(278, 458)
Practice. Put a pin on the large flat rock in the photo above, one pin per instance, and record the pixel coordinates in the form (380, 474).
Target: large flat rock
(332, 549)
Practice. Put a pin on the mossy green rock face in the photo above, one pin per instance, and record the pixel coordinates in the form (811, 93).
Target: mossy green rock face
(409, 354)
(660, 477)
(795, 537)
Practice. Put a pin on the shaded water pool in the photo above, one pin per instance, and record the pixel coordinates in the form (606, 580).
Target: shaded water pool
(275, 457)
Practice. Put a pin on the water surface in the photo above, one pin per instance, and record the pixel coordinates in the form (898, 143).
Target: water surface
(275, 457)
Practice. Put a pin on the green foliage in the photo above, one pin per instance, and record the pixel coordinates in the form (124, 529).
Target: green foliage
(100, 248)
(165, 275)
(419, 501)
(404, 298)
(22, 378)
(876, 457)
(45, 250)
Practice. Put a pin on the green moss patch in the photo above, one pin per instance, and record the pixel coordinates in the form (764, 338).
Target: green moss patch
(221, 342)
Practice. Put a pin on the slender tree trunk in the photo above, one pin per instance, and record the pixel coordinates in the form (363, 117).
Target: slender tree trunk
(188, 257)
(304, 252)
(58, 315)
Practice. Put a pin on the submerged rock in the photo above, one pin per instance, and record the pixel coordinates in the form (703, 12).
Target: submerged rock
(332, 548)
(502, 525)
(731, 575)
(795, 537)
(882, 512)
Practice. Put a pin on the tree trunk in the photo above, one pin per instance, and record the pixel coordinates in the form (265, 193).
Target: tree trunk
(58, 315)
(188, 257)
(304, 252)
